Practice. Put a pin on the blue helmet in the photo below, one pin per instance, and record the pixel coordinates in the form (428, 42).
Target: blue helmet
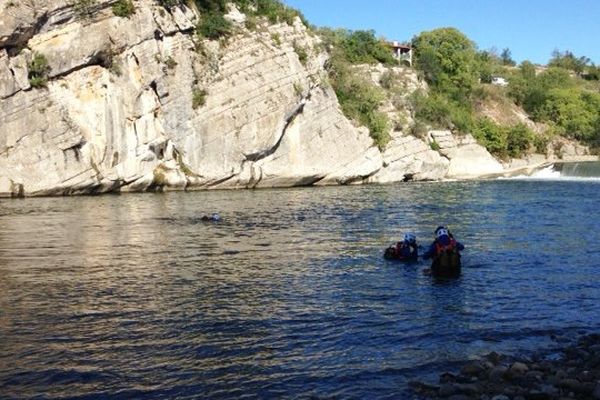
(410, 237)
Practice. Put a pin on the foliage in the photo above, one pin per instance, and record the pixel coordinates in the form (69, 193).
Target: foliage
(506, 58)
(359, 98)
(360, 101)
(38, 70)
(519, 139)
(555, 97)
(170, 62)
(387, 80)
(362, 47)
(569, 61)
(123, 8)
(198, 97)
(276, 38)
(577, 112)
(84, 8)
(448, 61)
(491, 135)
(511, 141)
(301, 52)
(358, 47)
(169, 3)
(213, 25)
(441, 112)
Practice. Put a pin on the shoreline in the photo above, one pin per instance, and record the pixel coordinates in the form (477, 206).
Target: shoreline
(569, 372)
(527, 168)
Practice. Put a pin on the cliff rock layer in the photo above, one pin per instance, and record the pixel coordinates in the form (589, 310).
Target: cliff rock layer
(91, 102)
(139, 103)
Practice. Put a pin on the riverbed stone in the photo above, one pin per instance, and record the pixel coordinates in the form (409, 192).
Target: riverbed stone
(497, 374)
(447, 390)
(596, 392)
(518, 368)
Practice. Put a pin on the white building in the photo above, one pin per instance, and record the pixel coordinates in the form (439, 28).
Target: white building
(499, 81)
(402, 52)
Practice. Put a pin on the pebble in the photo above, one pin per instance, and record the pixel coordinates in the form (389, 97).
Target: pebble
(573, 374)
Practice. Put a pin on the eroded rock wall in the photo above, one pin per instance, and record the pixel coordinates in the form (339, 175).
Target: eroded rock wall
(140, 103)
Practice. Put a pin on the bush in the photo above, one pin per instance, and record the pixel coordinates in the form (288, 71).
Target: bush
(387, 80)
(198, 97)
(38, 70)
(360, 101)
(123, 8)
(169, 3)
(492, 136)
(84, 8)
(519, 139)
(301, 52)
(213, 26)
(170, 62)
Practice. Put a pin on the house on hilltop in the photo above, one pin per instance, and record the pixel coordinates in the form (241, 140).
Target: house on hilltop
(402, 52)
(499, 81)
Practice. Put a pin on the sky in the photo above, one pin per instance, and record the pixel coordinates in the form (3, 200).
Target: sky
(531, 29)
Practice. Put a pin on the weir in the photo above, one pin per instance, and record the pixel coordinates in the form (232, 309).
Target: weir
(586, 169)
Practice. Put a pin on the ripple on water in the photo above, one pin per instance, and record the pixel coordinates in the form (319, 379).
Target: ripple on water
(136, 297)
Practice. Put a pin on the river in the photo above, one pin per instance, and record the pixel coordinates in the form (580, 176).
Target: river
(288, 296)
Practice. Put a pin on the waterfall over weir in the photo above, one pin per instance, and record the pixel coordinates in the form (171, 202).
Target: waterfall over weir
(585, 170)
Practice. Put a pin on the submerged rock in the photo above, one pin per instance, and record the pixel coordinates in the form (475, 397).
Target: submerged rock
(573, 375)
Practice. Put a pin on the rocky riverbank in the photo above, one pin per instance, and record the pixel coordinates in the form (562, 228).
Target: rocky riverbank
(574, 373)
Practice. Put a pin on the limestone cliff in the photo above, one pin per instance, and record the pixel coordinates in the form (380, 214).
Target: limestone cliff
(131, 104)
(140, 103)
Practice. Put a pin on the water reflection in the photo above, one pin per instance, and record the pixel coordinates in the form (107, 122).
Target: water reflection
(136, 296)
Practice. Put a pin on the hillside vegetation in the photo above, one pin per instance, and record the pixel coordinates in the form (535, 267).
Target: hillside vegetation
(563, 98)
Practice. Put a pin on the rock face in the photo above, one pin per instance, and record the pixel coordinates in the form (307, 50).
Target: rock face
(140, 103)
(467, 158)
(132, 104)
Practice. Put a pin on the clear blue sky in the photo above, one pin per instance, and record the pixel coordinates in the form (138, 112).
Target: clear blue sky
(531, 29)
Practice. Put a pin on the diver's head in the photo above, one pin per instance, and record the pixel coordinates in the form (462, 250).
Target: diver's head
(410, 238)
(441, 234)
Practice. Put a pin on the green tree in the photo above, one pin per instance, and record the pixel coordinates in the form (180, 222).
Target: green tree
(448, 60)
(362, 47)
(575, 111)
(506, 57)
(491, 135)
(519, 140)
(569, 61)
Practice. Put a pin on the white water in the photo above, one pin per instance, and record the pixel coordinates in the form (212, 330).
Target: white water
(552, 173)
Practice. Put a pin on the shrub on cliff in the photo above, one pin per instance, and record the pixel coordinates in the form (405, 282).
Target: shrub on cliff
(512, 141)
(360, 101)
(84, 8)
(358, 47)
(38, 70)
(123, 8)
(169, 3)
(213, 25)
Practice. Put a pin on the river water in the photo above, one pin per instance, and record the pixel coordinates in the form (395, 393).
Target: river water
(134, 296)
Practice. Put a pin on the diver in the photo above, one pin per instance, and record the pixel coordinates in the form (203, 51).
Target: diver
(215, 217)
(445, 251)
(406, 249)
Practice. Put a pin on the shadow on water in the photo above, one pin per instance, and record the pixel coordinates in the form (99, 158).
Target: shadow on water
(288, 295)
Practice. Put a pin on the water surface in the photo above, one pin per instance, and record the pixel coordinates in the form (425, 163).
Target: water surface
(134, 296)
